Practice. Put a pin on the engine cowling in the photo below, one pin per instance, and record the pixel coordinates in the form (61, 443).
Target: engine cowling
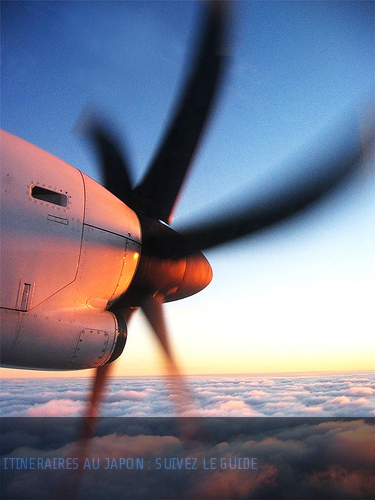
(61, 340)
(69, 250)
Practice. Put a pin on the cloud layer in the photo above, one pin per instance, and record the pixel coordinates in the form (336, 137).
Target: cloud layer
(258, 458)
(308, 437)
(229, 396)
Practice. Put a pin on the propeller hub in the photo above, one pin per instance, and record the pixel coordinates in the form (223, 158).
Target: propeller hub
(160, 272)
(197, 275)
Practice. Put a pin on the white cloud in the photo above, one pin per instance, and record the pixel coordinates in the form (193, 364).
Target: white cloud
(335, 395)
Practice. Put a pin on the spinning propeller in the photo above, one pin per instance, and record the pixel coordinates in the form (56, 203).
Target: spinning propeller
(171, 264)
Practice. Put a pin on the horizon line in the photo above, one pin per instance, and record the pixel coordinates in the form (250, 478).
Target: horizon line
(72, 375)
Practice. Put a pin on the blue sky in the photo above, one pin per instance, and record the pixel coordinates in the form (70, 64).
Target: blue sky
(295, 298)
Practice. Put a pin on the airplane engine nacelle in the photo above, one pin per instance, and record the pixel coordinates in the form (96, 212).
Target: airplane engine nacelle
(69, 251)
(61, 340)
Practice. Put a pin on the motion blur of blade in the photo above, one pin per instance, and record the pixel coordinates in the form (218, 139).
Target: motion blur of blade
(192, 429)
(157, 193)
(153, 310)
(70, 489)
(158, 279)
(113, 165)
(329, 168)
(154, 313)
(100, 380)
(101, 377)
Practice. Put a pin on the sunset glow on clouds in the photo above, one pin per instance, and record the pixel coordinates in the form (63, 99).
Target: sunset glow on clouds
(236, 396)
(312, 436)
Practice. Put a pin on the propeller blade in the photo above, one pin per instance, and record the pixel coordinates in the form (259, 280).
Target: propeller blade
(115, 169)
(192, 429)
(332, 168)
(157, 193)
(153, 310)
(70, 488)
(102, 374)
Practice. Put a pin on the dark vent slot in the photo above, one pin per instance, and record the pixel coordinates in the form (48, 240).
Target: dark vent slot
(49, 196)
